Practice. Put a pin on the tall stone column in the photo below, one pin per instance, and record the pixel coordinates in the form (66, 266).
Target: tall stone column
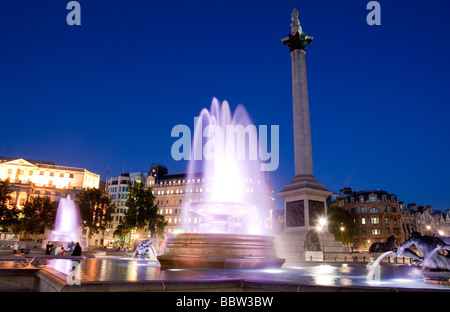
(304, 198)
(297, 42)
(302, 127)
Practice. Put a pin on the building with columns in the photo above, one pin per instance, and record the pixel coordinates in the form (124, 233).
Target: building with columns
(44, 178)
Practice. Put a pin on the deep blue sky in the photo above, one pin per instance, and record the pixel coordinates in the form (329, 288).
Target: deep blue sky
(107, 93)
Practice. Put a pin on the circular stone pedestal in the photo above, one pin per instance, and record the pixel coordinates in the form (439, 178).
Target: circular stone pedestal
(219, 251)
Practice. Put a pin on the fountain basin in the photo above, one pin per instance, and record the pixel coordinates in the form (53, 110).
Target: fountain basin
(219, 251)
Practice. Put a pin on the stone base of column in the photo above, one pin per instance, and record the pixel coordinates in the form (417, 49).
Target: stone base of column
(305, 204)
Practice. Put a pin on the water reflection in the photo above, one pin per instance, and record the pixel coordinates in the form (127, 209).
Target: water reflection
(97, 269)
(94, 269)
(324, 274)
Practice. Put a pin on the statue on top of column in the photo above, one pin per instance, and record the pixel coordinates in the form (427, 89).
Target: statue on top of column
(297, 39)
(295, 25)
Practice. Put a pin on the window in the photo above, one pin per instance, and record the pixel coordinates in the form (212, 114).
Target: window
(375, 231)
(386, 221)
(363, 220)
(362, 209)
(374, 220)
(373, 199)
(373, 209)
(361, 199)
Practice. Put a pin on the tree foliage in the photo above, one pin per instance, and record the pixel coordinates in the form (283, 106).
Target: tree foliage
(8, 214)
(337, 217)
(142, 214)
(96, 210)
(38, 213)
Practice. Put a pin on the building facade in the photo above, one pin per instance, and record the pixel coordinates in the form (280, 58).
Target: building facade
(429, 222)
(173, 194)
(118, 191)
(32, 178)
(376, 215)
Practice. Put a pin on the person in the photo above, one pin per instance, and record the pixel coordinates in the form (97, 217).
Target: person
(351, 246)
(62, 252)
(77, 250)
(48, 248)
(58, 250)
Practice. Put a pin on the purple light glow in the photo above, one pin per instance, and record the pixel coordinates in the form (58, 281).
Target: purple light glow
(67, 222)
(234, 190)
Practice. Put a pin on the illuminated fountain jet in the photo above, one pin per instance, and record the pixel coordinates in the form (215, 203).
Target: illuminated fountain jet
(67, 222)
(235, 197)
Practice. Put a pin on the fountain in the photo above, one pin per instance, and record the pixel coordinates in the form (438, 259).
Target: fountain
(435, 265)
(235, 198)
(67, 224)
(145, 250)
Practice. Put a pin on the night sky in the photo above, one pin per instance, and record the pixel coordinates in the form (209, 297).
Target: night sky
(106, 94)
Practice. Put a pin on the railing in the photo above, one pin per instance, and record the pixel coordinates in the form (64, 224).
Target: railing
(364, 258)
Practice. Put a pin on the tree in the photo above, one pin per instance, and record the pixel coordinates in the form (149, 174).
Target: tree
(142, 213)
(38, 213)
(339, 217)
(96, 210)
(8, 214)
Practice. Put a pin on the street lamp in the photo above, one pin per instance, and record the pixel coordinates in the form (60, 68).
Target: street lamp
(342, 232)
